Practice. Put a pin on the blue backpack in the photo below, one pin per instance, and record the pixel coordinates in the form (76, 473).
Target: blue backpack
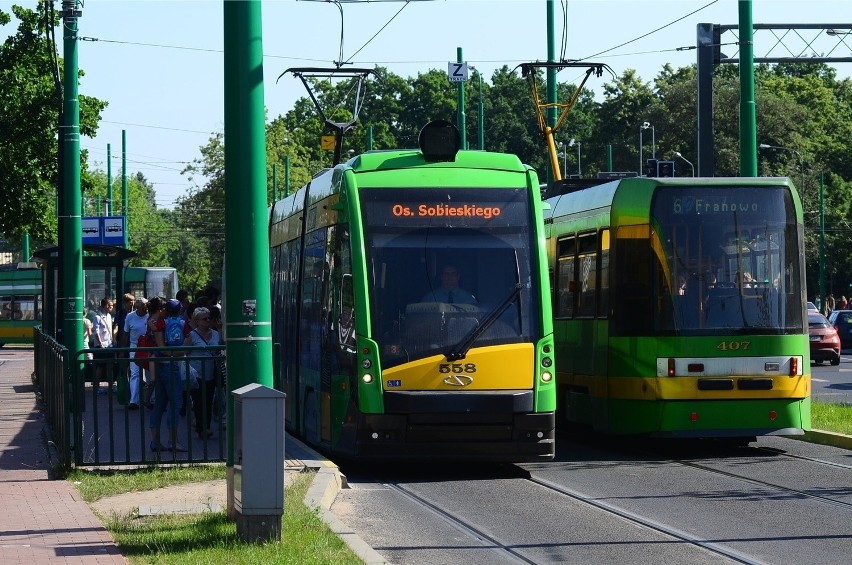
(173, 335)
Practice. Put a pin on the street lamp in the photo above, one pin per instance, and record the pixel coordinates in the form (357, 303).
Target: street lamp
(799, 155)
(643, 127)
(677, 155)
(578, 144)
(564, 155)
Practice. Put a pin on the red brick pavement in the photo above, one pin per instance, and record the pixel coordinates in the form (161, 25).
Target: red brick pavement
(41, 521)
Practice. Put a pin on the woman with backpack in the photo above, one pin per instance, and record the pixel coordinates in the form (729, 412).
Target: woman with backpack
(170, 330)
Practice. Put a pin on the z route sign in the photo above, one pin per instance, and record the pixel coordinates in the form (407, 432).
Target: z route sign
(457, 72)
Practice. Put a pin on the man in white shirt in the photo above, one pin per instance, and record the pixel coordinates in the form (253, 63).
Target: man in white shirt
(102, 332)
(103, 324)
(135, 324)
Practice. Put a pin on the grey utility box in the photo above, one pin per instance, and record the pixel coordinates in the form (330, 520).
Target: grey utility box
(258, 461)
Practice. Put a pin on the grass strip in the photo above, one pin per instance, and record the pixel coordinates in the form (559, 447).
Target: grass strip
(831, 417)
(209, 538)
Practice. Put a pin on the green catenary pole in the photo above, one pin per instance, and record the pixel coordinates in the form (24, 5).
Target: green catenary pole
(248, 326)
(286, 175)
(71, 249)
(748, 116)
(821, 243)
(461, 114)
(25, 254)
(609, 157)
(124, 196)
(108, 201)
(274, 182)
(481, 115)
(370, 138)
(551, 72)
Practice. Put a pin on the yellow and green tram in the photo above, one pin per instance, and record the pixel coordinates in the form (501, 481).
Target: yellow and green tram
(20, 302)
(679, 307)
(376, 363)
(22, 305)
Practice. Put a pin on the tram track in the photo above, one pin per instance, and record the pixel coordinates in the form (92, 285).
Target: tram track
(506, 551)
(470, 530)
(644, 521)
(782, 453)
(590, 508)
(766, 484)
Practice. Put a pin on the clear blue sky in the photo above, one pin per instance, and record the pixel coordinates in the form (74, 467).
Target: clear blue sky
(160, 63)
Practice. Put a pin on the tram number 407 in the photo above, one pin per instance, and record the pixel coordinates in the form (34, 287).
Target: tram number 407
(733, 345)
(457, 368)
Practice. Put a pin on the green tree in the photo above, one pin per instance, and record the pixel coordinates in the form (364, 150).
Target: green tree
(150, 230)
(513, 126)
(627, 102)
(29, 112)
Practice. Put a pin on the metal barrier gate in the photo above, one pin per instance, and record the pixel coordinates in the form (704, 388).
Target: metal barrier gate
(86, 401)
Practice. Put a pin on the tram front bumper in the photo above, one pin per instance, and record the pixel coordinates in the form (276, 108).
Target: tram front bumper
(458, 436)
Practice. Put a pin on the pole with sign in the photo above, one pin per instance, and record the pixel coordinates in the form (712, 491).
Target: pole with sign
(457, 72)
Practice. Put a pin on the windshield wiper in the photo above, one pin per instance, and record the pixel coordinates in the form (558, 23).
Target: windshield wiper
(463, 346)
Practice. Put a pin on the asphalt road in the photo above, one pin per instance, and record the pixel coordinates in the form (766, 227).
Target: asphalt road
(777, 501)
(833, 384)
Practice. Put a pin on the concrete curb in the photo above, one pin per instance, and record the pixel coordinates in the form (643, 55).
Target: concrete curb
(826, 438)
(321, 494)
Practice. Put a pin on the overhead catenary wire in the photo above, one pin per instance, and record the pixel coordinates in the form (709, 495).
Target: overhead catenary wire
(350, 59)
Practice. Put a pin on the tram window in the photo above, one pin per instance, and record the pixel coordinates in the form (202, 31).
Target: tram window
(587, 248)
(26, 307)
(346, 322)
(565, 285)
(6, 308)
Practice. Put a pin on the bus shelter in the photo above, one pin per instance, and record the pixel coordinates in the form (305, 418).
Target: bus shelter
(103, 277)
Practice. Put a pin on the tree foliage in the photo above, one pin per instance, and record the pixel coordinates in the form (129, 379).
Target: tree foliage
(29, 112)
(800, 107)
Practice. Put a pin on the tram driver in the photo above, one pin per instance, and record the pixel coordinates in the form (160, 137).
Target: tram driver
(449, 292)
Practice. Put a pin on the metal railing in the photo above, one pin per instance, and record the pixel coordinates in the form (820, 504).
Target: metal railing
(86, 396)
(50, 360)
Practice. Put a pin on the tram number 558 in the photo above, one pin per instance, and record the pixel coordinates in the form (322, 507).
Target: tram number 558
(456, 368)
(734, 346)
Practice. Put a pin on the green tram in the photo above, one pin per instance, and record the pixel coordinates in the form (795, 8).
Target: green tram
(20, 302)
(679, 307)
(376, 365)
(22, 298)
(151, 281)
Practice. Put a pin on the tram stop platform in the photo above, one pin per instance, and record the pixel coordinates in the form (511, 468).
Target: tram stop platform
(46, 521)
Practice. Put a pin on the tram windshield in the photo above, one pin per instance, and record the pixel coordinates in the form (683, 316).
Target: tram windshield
(440, 266)
(714, 260)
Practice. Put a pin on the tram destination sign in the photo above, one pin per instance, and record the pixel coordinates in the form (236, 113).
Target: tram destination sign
(472, 208)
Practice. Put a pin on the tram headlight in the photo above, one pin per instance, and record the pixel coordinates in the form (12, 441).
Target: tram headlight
(366, 363)
(367, 378)
(546, 376)
(546, 361)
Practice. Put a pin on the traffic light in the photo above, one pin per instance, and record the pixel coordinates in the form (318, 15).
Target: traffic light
(665, 168)
(651, 168)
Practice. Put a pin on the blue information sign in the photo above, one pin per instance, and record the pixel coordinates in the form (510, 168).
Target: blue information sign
(103, 230)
